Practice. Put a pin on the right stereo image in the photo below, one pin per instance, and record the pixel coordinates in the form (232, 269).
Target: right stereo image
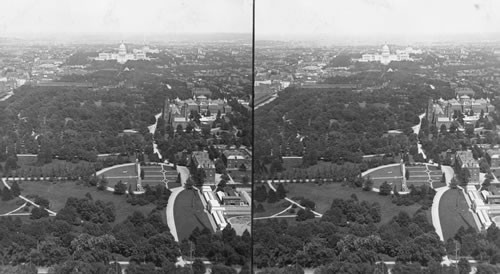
(376, 137)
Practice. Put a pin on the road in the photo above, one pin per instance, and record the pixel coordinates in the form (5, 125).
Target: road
(449, 173)
(184, 171)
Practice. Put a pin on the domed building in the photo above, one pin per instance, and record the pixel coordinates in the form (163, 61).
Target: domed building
(122, 56)
(386, 57)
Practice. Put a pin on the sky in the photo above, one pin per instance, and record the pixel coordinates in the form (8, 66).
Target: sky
(125, 16)
(285, 18)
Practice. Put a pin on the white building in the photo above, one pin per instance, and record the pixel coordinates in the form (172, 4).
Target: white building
(122, 56)
(386, 57)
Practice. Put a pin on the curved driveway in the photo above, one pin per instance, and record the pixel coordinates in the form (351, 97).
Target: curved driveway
(184, 171)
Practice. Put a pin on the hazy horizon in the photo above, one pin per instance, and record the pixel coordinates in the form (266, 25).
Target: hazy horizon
(36, 18)
(377, 20)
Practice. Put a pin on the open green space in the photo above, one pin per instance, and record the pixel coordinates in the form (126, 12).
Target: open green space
(323, 195)
(189, 214)
(8, 206)
(272, 208)
(454, 213)
(129, 170)
(58, 192)
(390, 171)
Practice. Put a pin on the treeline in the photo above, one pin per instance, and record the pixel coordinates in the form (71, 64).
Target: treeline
(73, 123)
(81, 237)
(224, 248)
(347, 237)
(343, 125)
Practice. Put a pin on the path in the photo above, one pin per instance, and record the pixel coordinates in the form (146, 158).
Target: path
(152, 129)
(292, 201)
(416, 129)
(436, 221)
(17, 209)
(51, 213)
(184, 171)
(170, 211)
(435, 211)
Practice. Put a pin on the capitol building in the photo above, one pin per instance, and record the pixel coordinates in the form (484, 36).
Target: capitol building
(122, 56)
(386, 57)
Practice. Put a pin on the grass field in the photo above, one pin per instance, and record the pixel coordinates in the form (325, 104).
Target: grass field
(189, 214)
(58, 192)
(8, 206)
(391, 171)
(324, 194)
(271, 209)
(391, 175)
(454, 213)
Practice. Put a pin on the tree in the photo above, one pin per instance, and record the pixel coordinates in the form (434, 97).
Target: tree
(15, 189)
(198, 267)
(272, 197)
(38, 212)
(7, 194)
(385, 189)
(259, 208)
(260, 194)
(222, 269)
(368, 184)
(463, 266)
(102, 184)
(304, 214)
(280, 192)
(120, 188)
(142, 174)
(407, 174)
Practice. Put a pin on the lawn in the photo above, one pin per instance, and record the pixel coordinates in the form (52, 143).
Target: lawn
(324, 194)
(8, 206)
(126, 174)
(58, 192)
(391, 171)
(124, 171)
(189, 214)
(271, 209)
(454, 213)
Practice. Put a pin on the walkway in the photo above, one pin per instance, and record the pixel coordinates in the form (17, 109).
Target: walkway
(51, 213)
(184, 171)
(436, 221)
(170, 211)
(292, 201)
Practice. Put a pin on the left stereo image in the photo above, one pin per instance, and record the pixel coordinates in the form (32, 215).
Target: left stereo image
(126, 136)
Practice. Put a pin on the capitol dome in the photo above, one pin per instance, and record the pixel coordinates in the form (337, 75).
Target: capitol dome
(122, 49)
(385, 49)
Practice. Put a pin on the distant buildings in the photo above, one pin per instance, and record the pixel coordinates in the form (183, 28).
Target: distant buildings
(122, 56)
(386, 57)
(177, 112)
(442, 112)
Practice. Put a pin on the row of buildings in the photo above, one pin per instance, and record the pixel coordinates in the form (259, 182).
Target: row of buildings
(441, 112)
(122, 56)
(177, 112)
(227, 203)
(234, 159)
(385, 57)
